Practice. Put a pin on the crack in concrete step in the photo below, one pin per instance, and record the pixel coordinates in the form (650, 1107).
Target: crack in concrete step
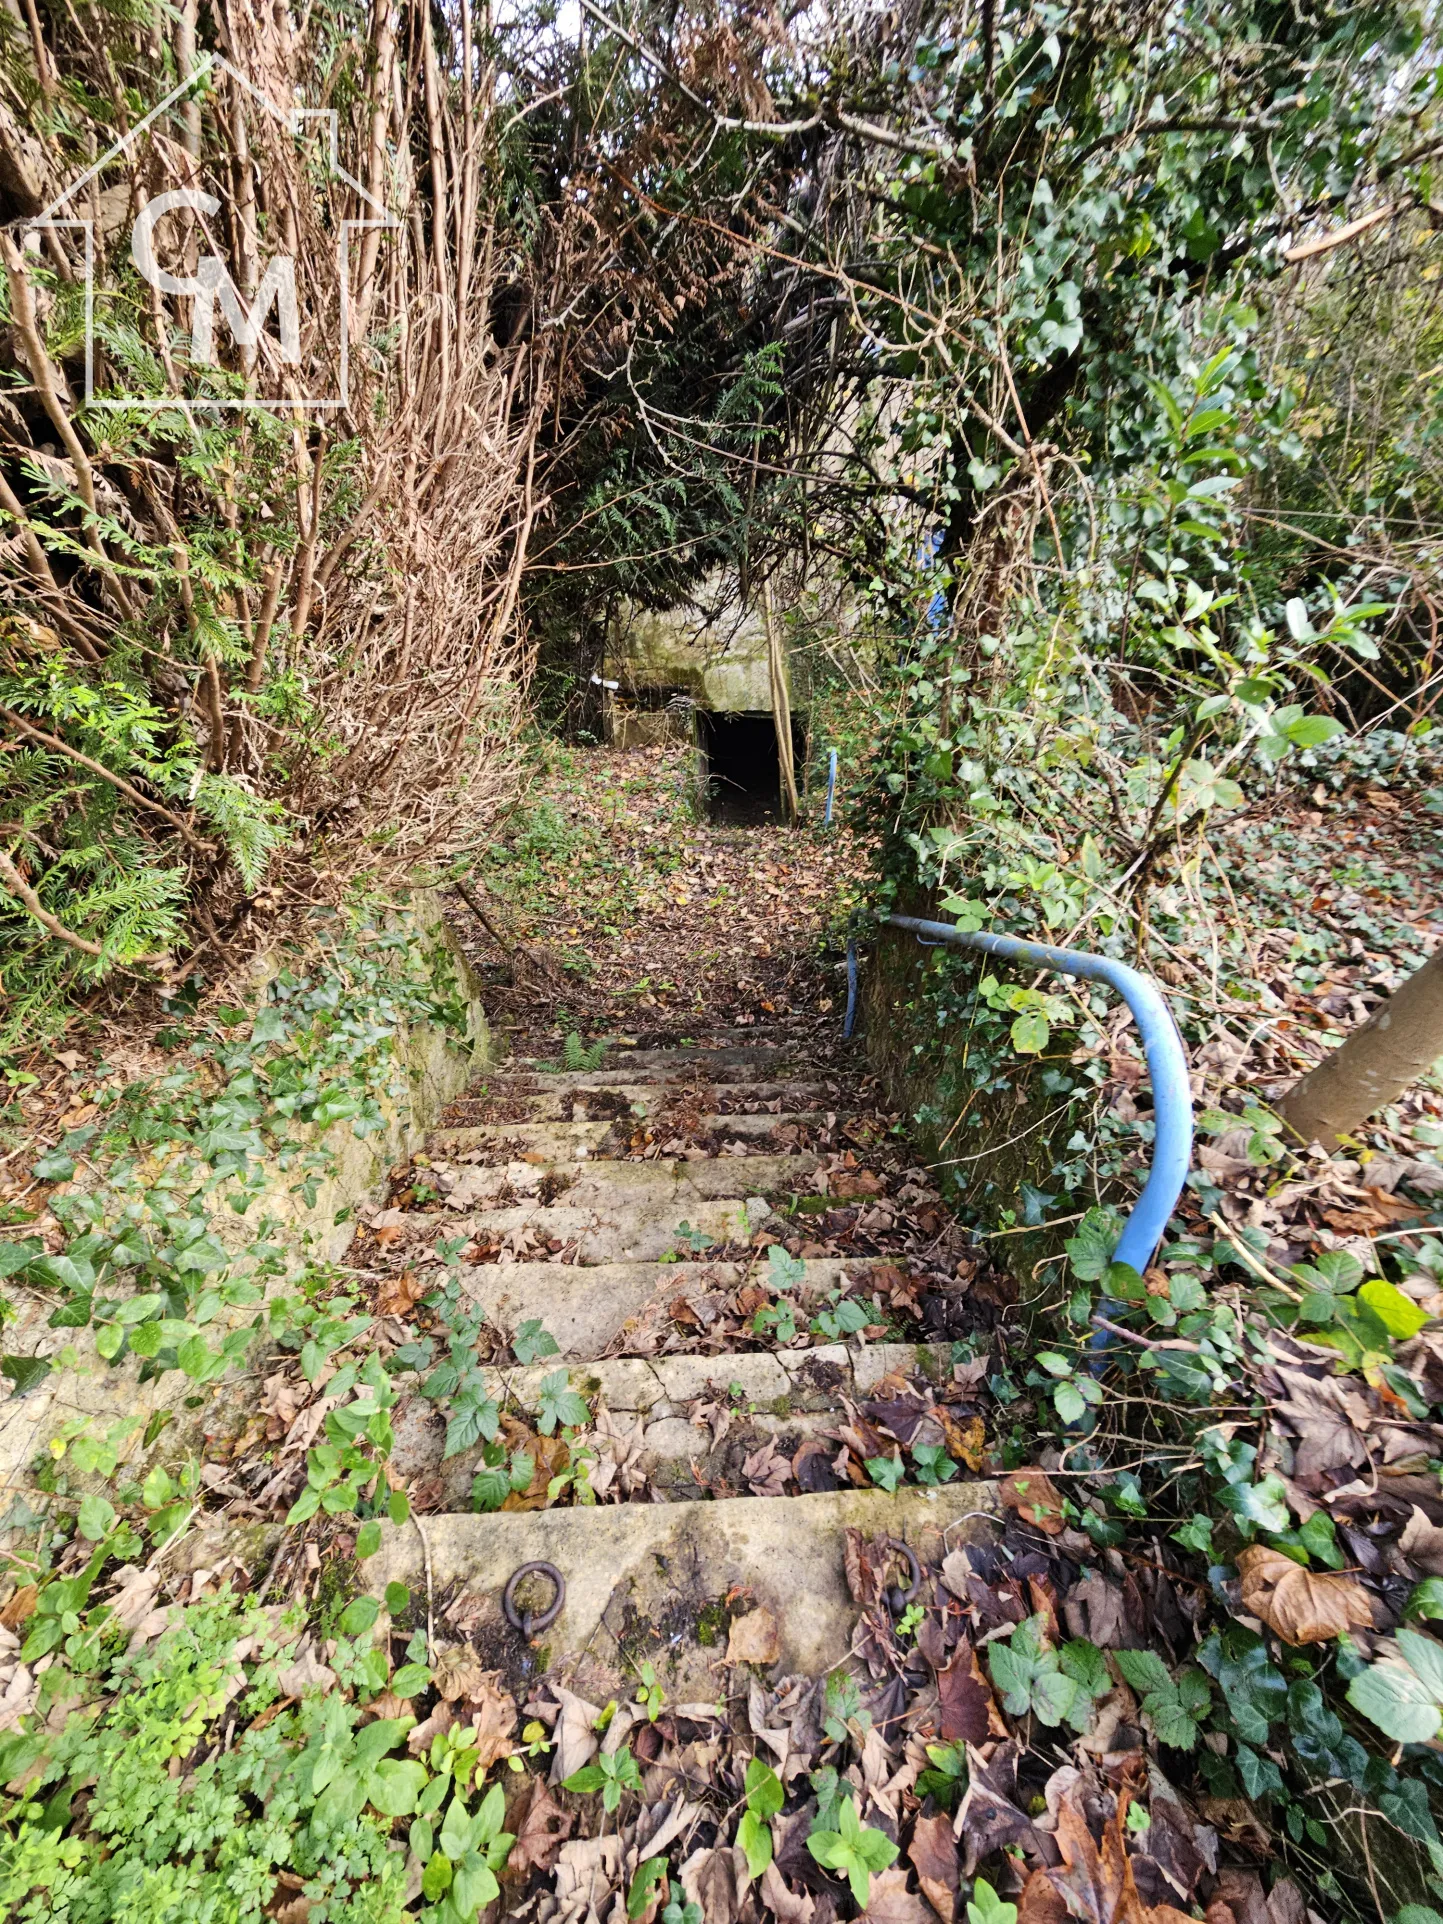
(550, 1104)
(587, 1309)
(653, 1581)
(599, 1183)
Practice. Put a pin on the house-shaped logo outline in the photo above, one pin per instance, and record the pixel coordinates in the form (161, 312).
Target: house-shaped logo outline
(295, 121)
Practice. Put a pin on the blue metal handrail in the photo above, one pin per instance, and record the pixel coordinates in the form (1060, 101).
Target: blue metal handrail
(1162, 1046)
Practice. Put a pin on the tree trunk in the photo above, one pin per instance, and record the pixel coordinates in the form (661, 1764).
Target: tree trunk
(1398, 1043)
(781, 708)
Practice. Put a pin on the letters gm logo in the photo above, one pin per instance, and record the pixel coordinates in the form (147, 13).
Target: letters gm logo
(250, 315)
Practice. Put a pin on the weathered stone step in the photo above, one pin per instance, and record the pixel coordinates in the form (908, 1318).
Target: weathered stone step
(576, 1141)
(673, 1061)
(588, 1308)
(616, 1185)
(546, 1103)
(641, 1231)
(665, 1583)
(802, 1379)
(785, 1396)
(735, 1065)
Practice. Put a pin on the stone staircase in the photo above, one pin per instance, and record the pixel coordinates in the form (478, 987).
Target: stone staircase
(626, 1208)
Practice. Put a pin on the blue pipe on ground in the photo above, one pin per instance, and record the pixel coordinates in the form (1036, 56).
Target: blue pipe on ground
(831, 786)
(1166, 1067)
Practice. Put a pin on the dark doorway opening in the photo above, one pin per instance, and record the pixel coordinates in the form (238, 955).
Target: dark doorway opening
(740, 768)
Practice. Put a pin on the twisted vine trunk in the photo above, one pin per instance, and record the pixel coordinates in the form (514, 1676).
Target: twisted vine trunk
(1400, 1041)
(245, 632)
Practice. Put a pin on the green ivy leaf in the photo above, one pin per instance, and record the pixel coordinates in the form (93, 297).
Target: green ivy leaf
(764, 1793)
(1030, 1032)
(1396, 1699)
(986, 1907)
(1426, 1599)
(473, 1415)
(1398, 1314)
(395, 1784)
(96, 1519)
(885, 1471)
(531, 1342)
(1196, 1535)
(436, 1878)
(1090, 1247)
(560, 1404)
(358, 1616)
(26, 1373)
(650, 1871)
(17, 1257)
(755, 1838)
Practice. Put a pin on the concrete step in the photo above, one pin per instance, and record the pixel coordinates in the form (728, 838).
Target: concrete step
(616, 1186)
(587, 1309)
(665, 1583)
(576, 1141)
(800, 1379)
(734, 1065)
(640, 1231)
(544, 1102)
(786, 1395)
(673, 1061)
(705, 1035)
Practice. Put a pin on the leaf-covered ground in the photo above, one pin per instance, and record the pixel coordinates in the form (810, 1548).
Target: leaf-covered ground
(1191, 1673)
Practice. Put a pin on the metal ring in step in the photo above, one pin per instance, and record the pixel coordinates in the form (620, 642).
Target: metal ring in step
(532, 1622)
(897, 1597)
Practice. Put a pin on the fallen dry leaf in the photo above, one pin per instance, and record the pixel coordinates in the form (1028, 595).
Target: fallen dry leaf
(1317, 1414)
(964, 1698)
(1095, 1885)
(754, 1638)
(933, 1851)
(543, 1829)
(398, 1294)
(133, 1598)
(847, 1185)
(458, 1672)
(550, 1456)
(785, 1904)
(305, 1672)
(494, 1716)
(587, 1871)
(1035, 1498)
(441, 1719)
(966, 1441)
(766, 1470)
(717, 1881)
(1303, 1606)
(21, 1606)
(892, 1903)
(576, 1742)
(1421, 1542)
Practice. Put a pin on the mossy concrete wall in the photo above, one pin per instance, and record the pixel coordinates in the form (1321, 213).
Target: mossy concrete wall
(435, 1064)
(710, 647)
